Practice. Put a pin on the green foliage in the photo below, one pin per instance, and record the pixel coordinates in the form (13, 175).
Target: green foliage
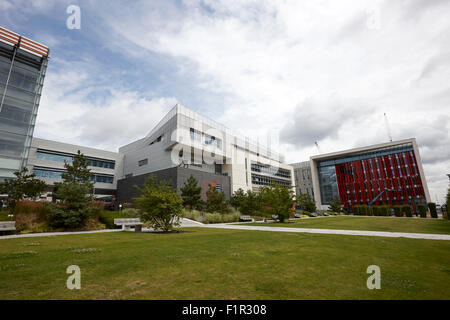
(336, 205)
(277, 200)
(159, 204)
(447, 204)
(216, 201)
(237, 199)
(23, 186)
(422, 210)
(432, 208)
(191, 193)
(398, 210)
(248, 203)
(407, 210)
(74, 192)
(211, 217)
(306, 202)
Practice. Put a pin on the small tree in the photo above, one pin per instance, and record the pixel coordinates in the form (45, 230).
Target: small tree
(191, 193)
(306, 202)
(277, 200)
(251, 204)
(432, 208)
(398, 210)
(74, 192)
(23, 186)
(407, 210)
(237, 199)
(159, 204)
(336, 205)
(216, 201)
(447, 204)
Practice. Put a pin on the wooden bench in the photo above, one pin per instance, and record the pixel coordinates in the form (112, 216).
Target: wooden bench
(127, 223)
(245, 218)
(7, 226)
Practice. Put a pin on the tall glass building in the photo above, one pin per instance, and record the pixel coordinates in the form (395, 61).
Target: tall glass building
(23, 63)
(385, 174)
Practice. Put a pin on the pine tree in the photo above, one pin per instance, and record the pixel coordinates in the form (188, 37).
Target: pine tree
(191, 193)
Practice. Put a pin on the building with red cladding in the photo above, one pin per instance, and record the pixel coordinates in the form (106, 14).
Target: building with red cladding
(384, 174)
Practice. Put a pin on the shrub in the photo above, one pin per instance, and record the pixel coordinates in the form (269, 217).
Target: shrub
(216, 201)
(306, 202)
(432, 207)
(60, 217)
(356, 210)
(398, 211)
(130, 213)
(29, 213)
(422, 210)
(407, 210)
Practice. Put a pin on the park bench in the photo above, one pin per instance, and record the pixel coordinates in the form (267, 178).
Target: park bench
(7, 226)
(297, 215)
(245, 218)
(128, 222)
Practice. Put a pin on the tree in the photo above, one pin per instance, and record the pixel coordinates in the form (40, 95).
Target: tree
(215, 201)
(336, 205)
(306, 202)
(251, 204)
(432, 208)
(23, 186)
(191, 193)
(447, 204)
(159, 204)
(277, 200)
(238, 198)
(74, 192)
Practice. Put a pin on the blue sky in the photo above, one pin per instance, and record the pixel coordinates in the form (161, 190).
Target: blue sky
(303, 71)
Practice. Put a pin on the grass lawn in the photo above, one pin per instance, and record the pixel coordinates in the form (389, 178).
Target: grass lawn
(390, 224)
(223, 264)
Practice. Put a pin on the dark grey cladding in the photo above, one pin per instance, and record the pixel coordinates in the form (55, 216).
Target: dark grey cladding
(126, 190)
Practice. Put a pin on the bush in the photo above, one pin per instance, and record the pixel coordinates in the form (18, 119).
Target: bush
(398, 211)
(422, 210)
(130, 213)
(61, 217)
(407, 210)
(356, 210)
(28, 213)
(432, 207)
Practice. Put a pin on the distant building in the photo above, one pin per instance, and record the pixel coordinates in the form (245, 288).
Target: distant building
(384, 174)
(302, 178)
(23, 63)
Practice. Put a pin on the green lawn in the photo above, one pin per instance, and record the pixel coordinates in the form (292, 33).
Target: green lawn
(390, 224)
(223, 264)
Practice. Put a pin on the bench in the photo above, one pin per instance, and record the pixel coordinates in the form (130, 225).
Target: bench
(245, 218)
(297, 215)
(127, 223)
(7, 226)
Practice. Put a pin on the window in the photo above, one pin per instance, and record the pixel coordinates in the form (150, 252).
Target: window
(143, 162)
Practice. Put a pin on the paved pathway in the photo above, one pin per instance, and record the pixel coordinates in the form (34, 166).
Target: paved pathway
(52, 234)
(333, 231)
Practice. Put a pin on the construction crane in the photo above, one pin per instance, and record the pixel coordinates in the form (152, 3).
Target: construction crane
(388, 128)
(317, 145)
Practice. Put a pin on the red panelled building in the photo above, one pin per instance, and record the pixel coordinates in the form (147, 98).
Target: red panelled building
(386, 174)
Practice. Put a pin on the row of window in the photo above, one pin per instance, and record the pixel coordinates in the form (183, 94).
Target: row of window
(68, 158)
(54, 174)
(196, 135)
(256, 167)
(266, 181)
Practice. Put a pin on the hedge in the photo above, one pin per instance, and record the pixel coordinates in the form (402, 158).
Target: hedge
(407, 210)
(398, 211)
(422, 210)
(432, 207)
(107, 218)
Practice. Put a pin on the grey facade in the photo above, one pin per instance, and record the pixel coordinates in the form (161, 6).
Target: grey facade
(126, 190)
(23, 63)
(303, 179)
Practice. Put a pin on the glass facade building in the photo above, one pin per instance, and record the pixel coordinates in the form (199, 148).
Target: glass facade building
(23, 63)
(387, 175)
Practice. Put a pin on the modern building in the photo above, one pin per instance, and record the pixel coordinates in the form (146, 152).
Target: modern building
(303, 180)
(383, 174)
(184, 142)
(47, 158)
(23, 63)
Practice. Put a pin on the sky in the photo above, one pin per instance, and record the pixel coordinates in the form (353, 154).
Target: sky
(302, 71)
